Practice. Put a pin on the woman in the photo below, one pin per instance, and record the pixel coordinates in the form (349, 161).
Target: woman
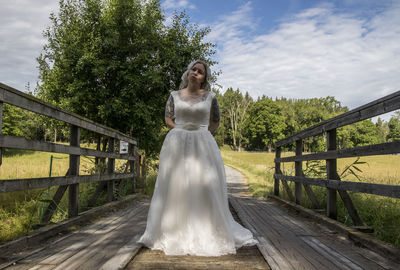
(189, 211)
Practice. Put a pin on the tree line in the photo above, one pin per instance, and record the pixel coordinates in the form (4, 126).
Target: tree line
(256, 125)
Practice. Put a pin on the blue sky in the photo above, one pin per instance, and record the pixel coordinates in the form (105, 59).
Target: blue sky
(292, 48)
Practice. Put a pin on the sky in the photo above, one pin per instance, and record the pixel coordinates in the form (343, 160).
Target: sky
(349, 49)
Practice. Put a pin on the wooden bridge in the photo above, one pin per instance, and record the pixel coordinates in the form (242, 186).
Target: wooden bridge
(105, 237)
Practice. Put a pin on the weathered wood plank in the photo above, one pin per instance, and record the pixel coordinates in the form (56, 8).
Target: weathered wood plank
(33, 183)
(123, 256)
(392, 191)
(95, 254)
(74, 162)
(298, 192)
(60, 255)
(311, 196)
(331, 173)
(369, 150)
(275, 227)
(1, 127)
(22, 143)
(380, 106)
(17, 98)
(340, 260)
(53, 205)
(110, 170)
(48, 248)
(277, 170)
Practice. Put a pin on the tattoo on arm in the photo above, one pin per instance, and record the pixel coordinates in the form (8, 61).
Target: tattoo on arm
(170, 108)
(215, 114)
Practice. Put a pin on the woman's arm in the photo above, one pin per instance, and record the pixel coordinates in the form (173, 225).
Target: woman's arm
(170, 112)
(214, 115)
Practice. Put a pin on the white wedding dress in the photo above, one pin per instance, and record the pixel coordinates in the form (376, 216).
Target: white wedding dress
(189, 211)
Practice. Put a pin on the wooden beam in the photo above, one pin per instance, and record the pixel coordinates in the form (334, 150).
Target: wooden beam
(100, 187)
(369, 150)
(392, 191)
(73, 190)
(133, 152)
(277, 170)
(17, 98)
(53, 205)
(298, 192)
(33, 183)
(25, 144)
(110, 170)
(331, 173)
(377, 107)
(1, 127)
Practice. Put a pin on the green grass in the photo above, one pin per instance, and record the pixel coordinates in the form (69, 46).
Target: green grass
(20, 210)
(381, 213)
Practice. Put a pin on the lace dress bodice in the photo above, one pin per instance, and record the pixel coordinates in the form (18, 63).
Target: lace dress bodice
(192, 112)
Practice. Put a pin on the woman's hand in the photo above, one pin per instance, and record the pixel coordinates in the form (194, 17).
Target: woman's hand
(170, 123)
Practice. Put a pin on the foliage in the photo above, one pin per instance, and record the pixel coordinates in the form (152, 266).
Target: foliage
(394, 127)
(265, 124)
(234, 106)
(115, 61)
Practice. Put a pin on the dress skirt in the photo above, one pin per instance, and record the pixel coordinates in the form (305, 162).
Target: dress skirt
(189, 212)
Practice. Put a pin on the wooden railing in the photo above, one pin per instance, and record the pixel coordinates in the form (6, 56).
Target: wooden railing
(72, 179)
(333, 184)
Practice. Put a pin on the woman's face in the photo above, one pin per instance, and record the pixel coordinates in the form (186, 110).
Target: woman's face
(197, 73)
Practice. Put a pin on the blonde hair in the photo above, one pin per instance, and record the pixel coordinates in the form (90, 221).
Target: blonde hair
(185, 81)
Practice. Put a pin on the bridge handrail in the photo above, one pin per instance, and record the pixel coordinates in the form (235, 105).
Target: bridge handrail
(22, 100)
(377, 107)
(333, 182)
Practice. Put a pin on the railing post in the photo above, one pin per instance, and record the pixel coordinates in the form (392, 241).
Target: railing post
(73, 192)
(110, 170)
(132, 152)
(277, 170)
(331, 173)
(1, 127)
(298, 172)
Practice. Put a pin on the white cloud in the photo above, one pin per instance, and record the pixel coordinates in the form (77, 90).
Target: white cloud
(21, 25)
(318, 52)
(178, 4)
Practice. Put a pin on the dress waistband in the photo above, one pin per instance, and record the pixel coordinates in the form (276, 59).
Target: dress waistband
(190, 126)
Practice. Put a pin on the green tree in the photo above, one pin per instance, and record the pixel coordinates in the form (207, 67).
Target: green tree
(394, 127)
(115, 61)
(235, 108)
(265, 124)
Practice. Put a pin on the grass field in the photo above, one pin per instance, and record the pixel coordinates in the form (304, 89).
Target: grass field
(21, 209)
(382, 214)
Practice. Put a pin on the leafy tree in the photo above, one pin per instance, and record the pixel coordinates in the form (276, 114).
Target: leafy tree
(235, 107)
(115, 61)
(394, 127)
(383, 129)
(265, 124)
(358, 134)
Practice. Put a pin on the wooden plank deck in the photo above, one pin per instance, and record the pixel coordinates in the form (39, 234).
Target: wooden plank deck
(287, 241)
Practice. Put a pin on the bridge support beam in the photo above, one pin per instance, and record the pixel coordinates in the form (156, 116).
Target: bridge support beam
(73, 190)
(331, 173)
(110, 170)
(277, 170)
(298, 166)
